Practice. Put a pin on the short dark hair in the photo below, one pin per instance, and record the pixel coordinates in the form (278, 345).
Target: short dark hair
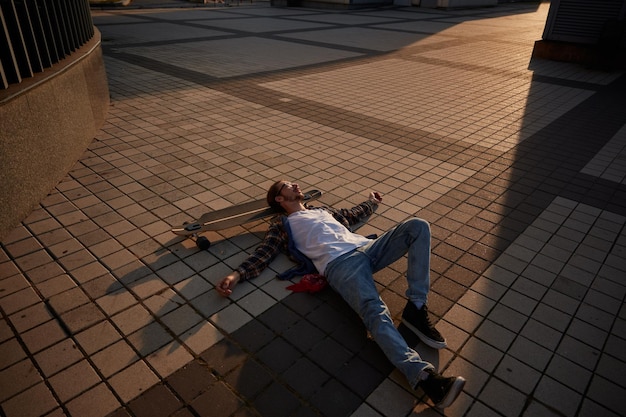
(272, 193)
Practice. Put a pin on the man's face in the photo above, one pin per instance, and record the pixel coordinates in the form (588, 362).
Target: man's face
(290, 191)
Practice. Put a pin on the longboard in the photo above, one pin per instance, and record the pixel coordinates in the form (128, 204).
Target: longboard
(230, 217)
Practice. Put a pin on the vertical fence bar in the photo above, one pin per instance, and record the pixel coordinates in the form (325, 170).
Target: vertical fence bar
(16, 38)
(52, 35)
(4, 83)
(10, 72)
(36, 34)
(28, 34)
(59, 27)
(70, 26)
(80, 22)
(85, 18)
(40, 37)
(88, 20)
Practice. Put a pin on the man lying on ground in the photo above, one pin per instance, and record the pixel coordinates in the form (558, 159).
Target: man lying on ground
(349, 261)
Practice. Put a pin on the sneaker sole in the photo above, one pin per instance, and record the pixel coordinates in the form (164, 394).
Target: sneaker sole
(453, 393)
(427, 340)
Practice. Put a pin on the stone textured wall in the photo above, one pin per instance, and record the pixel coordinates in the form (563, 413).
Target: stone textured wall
(46, 123)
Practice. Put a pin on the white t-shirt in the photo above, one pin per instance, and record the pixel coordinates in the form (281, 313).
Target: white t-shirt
(321, 238)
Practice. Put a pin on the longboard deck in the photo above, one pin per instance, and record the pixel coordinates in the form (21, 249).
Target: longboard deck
(235, 216)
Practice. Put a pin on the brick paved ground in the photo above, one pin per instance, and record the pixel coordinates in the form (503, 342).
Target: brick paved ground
(517, 163)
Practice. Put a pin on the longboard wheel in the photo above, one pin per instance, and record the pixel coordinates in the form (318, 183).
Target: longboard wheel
(203, 243)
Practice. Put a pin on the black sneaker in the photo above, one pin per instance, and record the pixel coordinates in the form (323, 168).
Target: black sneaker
(440, 389)
(419, 323)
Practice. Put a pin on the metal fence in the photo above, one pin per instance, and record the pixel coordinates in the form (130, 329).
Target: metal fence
(36, 34)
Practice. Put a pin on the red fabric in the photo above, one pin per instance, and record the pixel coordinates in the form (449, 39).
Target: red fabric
(310, 283)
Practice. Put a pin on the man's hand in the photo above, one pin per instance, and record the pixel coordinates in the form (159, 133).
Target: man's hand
(227, 284)
(375, 197)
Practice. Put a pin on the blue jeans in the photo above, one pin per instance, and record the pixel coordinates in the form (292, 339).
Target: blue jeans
(351, 275)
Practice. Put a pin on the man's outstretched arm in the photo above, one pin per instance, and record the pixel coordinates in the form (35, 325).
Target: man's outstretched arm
(357, 213)
(228, 283)
(273, 243)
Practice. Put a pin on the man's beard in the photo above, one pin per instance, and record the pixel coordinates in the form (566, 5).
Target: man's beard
(295, 197)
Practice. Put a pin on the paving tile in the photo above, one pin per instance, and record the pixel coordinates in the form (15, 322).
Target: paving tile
(55, 285)
(586, 333)
(496, 335)
(503, 397)
(114, 358)
(224, 356)
(116, 301)
(18, 300)
(201, 337)
(463, 318)
(279, 318)
(5, 331)
(58, 357)
(97, 337)
(87, 274)
(530, 288)
(68, 300)
(132, 381)
(555, 394)
(251, 378)
(97, 402)
(30, 317)
(82, 317)
(132, 319)
(181, 319)
(17, 378)
(164, 301)
(569, 373)
(150, 338)
(191, 380)
(578, 352)
(256, 303)
(74, 380)
(326, 318)
(305, 377)
(507, 318)
(231, 318)
(352, 335)
(360, 377)
(35, 401)
(43, 336)
(276, 400)
(33, 260)
(23, 247)
(10, 353)
(541, 334)
(390, 399)
(217, 401)
(278, 355)
(606, 393)
(517, 374)
(551, 317)
(157, 401)
(193, 287)
(169, 358)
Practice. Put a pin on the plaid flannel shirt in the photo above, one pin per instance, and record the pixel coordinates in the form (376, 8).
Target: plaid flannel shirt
(276, 238)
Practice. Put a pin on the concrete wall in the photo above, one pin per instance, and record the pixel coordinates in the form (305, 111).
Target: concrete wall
(46, 123)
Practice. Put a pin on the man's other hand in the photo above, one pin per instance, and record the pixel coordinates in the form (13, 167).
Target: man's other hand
(375, 197)
(227, 284)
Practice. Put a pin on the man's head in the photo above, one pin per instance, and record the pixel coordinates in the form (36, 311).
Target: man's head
(283, 192)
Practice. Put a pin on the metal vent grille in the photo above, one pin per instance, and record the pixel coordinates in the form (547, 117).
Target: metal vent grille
(581, 21)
